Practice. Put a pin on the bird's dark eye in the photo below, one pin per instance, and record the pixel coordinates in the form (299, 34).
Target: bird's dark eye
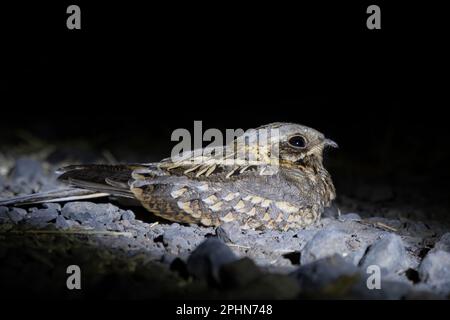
(297, 141)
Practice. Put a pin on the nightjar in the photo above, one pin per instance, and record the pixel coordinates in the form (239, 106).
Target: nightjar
(271, 177)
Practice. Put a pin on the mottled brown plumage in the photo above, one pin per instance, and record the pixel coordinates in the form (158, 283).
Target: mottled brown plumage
(280, 185)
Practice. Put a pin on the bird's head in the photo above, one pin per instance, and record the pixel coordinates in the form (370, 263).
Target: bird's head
(295, 144)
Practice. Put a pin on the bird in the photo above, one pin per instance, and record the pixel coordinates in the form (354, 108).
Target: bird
(270, 178)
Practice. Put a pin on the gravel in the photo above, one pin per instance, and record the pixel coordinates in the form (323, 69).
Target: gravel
(328, 259)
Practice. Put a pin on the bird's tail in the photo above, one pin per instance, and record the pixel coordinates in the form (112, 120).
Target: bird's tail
(60, 195)
(85, 182)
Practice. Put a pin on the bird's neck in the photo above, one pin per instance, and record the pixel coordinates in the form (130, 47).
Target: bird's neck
(312, 169)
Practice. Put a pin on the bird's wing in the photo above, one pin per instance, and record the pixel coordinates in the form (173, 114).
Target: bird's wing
(243, 168)
(111, 179)
(222, 163)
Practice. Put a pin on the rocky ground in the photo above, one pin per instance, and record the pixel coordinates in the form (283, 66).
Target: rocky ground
(127, 252)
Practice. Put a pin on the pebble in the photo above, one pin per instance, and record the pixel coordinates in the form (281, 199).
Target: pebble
(389, 289)
(180, 239)
(207, 259)
(52, 205)
(443, 243)
(388, 253)
(27, 170)
(91, 213)
(239, 273)
(17, 214)
(322, 272)
(329, 242)
(4, 217)
(112, 226)
(435, 270)
(229, 232)
(128, 215)
(269, 286)
(334, 276)
(62, 223)
(42, 215)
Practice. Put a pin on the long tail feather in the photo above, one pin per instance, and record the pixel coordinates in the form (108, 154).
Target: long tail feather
(68, 194)
(86, 182)
(112, 179)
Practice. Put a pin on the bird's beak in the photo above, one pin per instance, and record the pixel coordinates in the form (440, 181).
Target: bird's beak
(330, 143)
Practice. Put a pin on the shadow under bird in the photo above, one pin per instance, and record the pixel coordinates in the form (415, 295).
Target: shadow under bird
(280, 184)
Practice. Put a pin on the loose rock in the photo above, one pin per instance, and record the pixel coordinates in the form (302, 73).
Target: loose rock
(42, 216)
(229, 232)
(128, 215)
(62, 223)
(91, 213)
(329, 242)
(389, 289)
(207, 259)
(26, 169)
(182, 240)
(435, 270)
(52, 205)
(388, 253)
(325, 271)
(269, 287)
(239, 273)
(443, 243)
(4, 217)
(17, 214)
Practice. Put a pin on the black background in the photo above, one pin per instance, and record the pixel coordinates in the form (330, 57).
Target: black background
(135, 72)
